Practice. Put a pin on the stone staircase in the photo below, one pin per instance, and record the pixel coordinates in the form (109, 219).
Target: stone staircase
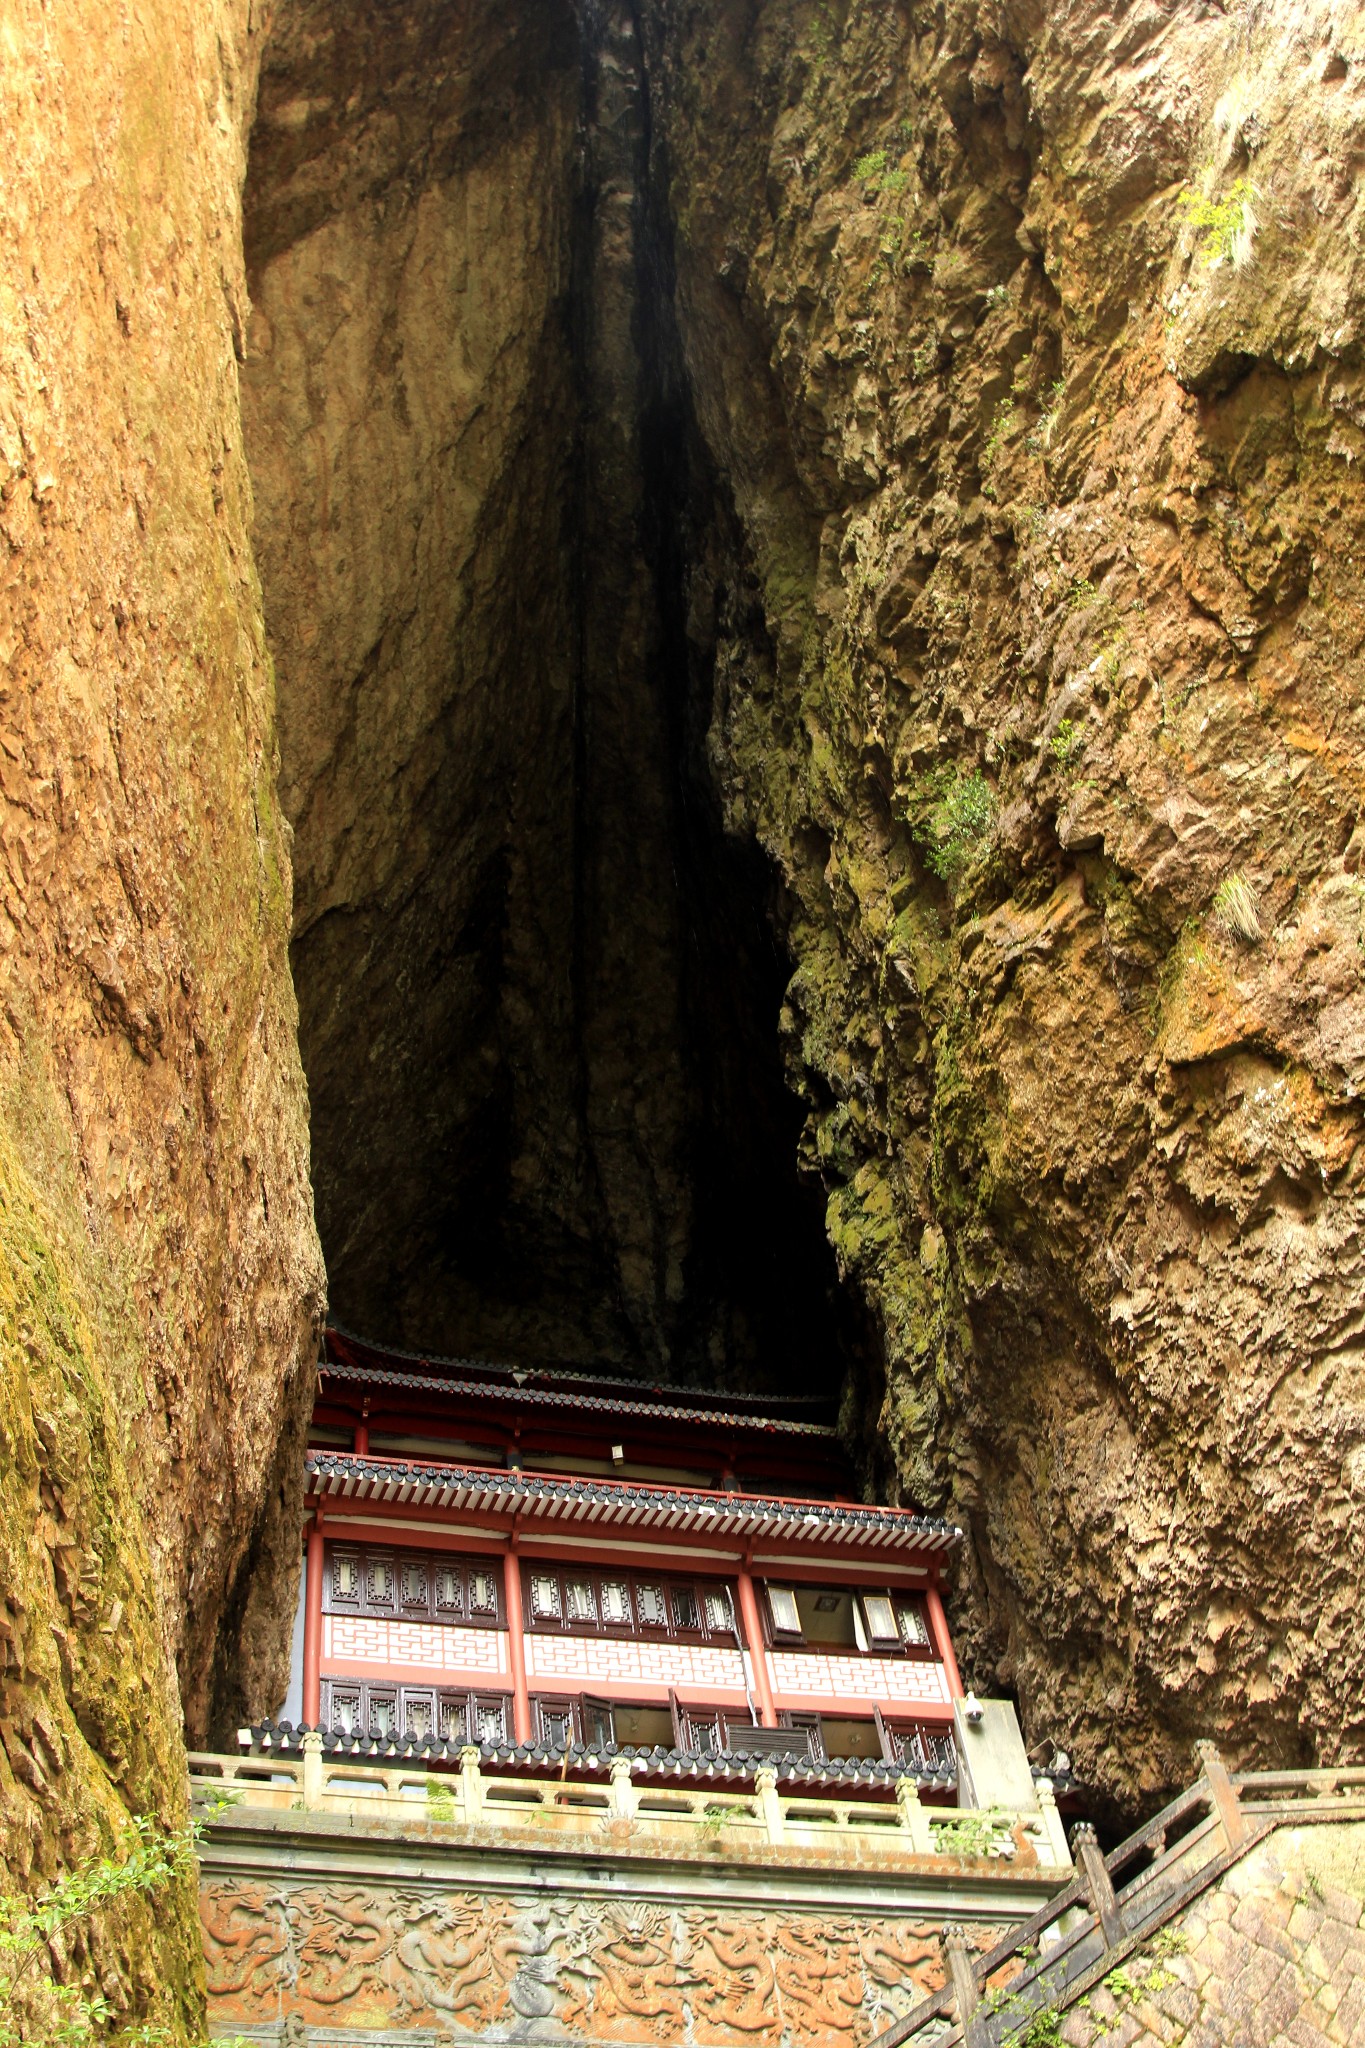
(1077, 1949)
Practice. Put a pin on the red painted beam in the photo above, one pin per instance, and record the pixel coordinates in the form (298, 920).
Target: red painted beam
(758, 1649)
(943, 1642)
(312, 1627)
(516, 1647)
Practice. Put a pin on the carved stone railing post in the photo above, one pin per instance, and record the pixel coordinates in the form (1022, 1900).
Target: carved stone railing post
(1223, 1793)
(769, 1805)
(1053, 1826)
(471, 1782)
(957, 1953)
(914, 1819)
(625, 1800)
(312, 1769)
(1099, 1890)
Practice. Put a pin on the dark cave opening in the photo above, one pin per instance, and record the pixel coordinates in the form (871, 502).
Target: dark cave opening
(539, 983)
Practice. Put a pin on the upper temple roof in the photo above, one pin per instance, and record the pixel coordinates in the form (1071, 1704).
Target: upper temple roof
(348, 1358)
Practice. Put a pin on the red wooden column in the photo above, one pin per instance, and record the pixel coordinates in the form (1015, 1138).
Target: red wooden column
(516, 1648)
(312, 1626)
(943, 1642)
(758, 1649)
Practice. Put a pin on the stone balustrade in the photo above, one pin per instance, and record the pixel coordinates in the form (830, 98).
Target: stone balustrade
(687, 1818)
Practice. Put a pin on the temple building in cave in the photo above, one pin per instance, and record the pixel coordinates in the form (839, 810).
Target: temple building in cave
(615, 1719)
(542, 1560)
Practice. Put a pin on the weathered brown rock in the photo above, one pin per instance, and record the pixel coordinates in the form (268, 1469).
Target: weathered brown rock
(1059, 527)
(1012, 539)
(538, 992)
(852, 381)
(159, 1274)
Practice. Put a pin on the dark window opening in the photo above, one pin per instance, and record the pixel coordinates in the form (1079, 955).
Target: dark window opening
(421, 1586)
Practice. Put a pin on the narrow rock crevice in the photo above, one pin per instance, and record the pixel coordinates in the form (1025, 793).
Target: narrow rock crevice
(539, 982)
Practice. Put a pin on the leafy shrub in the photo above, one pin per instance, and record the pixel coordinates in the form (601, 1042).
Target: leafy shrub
(34, 2007)
(959, 825)
(1228, 226)
(878, 174)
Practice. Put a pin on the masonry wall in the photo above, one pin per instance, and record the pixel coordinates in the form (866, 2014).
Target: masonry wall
(1275, 1953)
(388, 1960)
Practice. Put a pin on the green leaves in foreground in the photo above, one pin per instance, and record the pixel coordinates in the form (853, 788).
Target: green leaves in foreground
(37, 2010)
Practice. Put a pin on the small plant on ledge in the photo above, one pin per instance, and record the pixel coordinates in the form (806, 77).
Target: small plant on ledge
(1228, 226)
(1235, 909)
(960, 825)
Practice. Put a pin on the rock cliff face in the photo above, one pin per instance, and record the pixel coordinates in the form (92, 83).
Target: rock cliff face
(791, 531)
(160, 1282)
(1028, 341)
(930, 433)
(539, 990)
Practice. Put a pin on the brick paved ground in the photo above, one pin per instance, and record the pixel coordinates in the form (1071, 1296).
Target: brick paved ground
(1273, 1957)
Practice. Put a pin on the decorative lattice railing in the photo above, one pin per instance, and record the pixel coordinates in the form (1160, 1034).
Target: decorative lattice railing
(681, 1816)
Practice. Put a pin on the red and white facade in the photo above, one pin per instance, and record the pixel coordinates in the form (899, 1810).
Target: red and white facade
(535, 1558)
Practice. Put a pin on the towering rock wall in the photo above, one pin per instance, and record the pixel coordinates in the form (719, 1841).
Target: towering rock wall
(1027, 339)
(932, 432)
(160, 1282)
(893, 468)
(538, 989)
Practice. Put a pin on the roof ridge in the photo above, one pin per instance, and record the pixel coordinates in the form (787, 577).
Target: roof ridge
(392, 1472)
(671, 1411)
(627, 1385)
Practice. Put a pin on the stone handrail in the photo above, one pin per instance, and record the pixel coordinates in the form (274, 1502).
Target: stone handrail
(473, 1798)
(1117, 1901)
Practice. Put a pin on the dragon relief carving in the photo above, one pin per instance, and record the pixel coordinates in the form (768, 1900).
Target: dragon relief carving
(470, 1964)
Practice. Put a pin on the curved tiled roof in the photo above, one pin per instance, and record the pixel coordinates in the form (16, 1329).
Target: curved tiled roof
(611, 1388)
(656, 1762)
(617, 1502)
(580, 1403)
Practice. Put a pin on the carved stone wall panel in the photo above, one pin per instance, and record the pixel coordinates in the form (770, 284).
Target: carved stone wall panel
(384, 1963)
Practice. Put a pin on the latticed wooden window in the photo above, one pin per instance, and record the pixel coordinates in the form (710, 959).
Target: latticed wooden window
(580, 1600)
(914, 1624)
(345, 1576)
(616, 1602)
(545, 1596)
(419, 1585)
(685, 1608)
(716, 1602)
(784, 1610)
(419, 1713)
(483, 1591)
(882, 1626)
(490, 1719)
(649, 1603)
(344, 1716)
(556, 1722)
